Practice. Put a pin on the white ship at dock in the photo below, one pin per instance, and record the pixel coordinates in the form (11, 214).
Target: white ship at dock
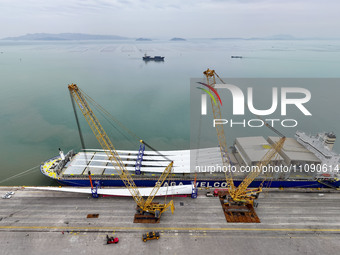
(302, 154)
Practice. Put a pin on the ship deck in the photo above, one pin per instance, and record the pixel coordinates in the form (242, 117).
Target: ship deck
(185, 163)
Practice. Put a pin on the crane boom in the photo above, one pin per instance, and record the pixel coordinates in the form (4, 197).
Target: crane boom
(240, 193)
(210, 76)
(159, 184)
(106, 144)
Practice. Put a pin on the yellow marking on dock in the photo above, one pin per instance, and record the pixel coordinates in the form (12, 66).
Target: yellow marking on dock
(178, 229)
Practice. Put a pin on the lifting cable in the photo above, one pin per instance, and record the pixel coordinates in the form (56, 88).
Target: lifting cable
(109, 117)
(111, 120)
(19, 174)
(198, 146)
(79, 131)
(105, 112)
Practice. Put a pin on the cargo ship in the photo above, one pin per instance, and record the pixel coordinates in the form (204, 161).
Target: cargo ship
(305, 161)
(155, 58)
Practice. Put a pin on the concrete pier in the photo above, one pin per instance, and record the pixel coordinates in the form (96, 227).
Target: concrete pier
(45, 222)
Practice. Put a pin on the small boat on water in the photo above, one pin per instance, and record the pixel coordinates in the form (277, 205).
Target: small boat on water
(236, 57)
(155, 58)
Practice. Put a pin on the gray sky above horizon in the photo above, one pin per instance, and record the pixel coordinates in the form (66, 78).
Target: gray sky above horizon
(175, 18)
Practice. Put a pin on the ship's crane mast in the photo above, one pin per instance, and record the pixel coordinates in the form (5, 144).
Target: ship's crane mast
(240, 195)
(145, 206)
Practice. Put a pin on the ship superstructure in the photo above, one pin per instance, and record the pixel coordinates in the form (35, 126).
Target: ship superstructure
(321, 145)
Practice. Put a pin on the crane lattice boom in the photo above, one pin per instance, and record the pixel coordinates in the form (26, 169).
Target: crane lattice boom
(106, 144)
(240, 193)
(211, 80)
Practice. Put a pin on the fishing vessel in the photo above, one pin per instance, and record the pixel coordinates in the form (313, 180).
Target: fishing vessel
(155, 58)
(306, 161)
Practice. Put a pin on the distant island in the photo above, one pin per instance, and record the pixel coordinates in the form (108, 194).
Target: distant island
(84, 37)
(65, 36)
(143, 39)
(177, 39)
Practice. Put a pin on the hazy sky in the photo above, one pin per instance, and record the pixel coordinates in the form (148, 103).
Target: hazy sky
(170, 18)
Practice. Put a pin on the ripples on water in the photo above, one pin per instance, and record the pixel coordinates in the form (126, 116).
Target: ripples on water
(152, 99)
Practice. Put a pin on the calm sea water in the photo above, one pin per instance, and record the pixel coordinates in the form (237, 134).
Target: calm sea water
(151, 99)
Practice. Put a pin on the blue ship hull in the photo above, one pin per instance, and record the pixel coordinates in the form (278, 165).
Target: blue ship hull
(201, 182)
(207, 183)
